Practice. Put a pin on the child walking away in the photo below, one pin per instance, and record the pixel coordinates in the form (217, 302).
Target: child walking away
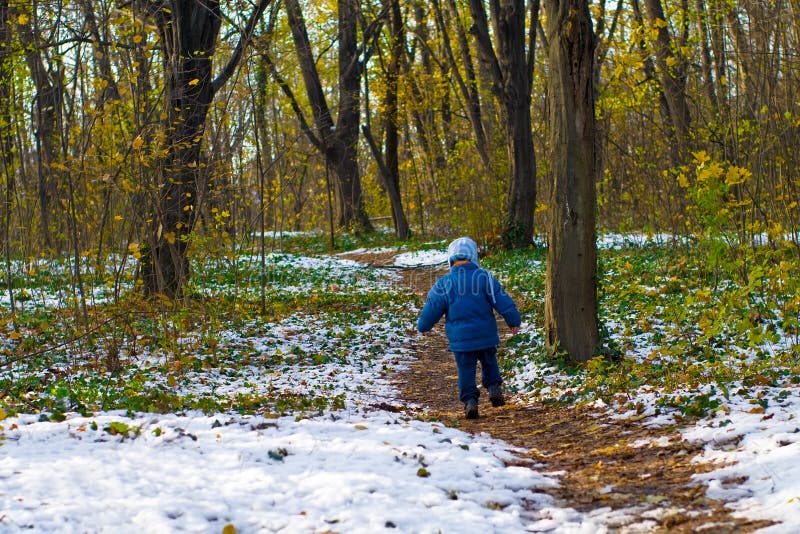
(467, 296)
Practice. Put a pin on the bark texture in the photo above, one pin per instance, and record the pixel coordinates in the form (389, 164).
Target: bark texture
(570, 292)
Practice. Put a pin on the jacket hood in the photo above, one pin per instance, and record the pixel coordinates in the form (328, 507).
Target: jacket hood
(462, 248)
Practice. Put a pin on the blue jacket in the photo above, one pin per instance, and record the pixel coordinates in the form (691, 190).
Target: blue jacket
(467, 297)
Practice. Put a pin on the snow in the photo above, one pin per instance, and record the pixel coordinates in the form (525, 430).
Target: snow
(757, 451)
(615, 241)
(278, 234)
(355, 469)
(421, 258)
(375, 250)
(195, 473)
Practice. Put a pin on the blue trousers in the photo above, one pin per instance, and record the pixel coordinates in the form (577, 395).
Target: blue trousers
(467, 363)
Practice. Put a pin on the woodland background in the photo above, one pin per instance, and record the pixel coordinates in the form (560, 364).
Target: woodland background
(121, 134)
(179, 177)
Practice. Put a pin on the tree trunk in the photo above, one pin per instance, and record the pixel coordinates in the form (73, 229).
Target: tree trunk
(571, 293)
(720, 57)
(649, 69)
(672, 75)
(46, 113)
(511, 71)
(188, 32)
(6, 143)
(391, 117)
(703, 16)
(111, 90)
(468, 87)
(344, 149)
(338, 143)
(392, 188)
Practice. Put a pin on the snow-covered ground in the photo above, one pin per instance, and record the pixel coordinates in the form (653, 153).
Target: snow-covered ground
(345, 472)
(421, 258)
(356, 469)
(757, 449)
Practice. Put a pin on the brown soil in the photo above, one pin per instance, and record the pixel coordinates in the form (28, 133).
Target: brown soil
(592, 452)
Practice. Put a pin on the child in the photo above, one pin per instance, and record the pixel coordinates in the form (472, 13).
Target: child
(467, 297)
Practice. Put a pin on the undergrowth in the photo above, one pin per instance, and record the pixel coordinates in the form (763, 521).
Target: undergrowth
(679, 331)
(210, 351)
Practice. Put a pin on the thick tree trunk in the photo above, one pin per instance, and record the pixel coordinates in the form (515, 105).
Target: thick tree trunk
(188, 32)
(521, 202)
(571, 293)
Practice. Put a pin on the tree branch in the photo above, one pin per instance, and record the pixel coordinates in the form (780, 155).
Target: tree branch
(244, 40)
(283, 84)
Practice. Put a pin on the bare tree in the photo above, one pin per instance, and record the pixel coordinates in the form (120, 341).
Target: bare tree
(338, 142)
(189, 31)
(510, 63)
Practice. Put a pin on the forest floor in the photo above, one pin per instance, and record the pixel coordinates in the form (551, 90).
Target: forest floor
(603, 463)
(327, 411)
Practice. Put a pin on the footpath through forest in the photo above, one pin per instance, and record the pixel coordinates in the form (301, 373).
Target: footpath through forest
(601, 462)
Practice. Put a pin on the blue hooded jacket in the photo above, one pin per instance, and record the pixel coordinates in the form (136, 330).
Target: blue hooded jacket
(467, 297)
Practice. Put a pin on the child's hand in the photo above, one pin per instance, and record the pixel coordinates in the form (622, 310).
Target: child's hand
(514, 330)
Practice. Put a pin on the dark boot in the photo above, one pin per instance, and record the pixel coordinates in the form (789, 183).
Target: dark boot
(496, 395)
(471, 409)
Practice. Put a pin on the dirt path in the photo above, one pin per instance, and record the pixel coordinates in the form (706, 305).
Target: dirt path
(600, 468)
